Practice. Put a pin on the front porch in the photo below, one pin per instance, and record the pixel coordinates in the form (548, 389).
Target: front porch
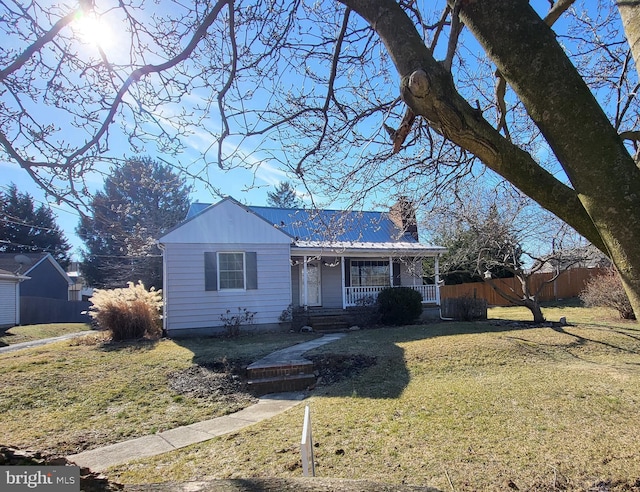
(357, 296)
(343, 282)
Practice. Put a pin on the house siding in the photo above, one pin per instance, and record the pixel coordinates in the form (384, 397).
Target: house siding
(190, 308)
(45, 281)
(8, 303)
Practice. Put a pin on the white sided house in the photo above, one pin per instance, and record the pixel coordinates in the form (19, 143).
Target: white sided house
(231, 257)
(10, 298)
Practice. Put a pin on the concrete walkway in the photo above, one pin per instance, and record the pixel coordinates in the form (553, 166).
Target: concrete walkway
(43, 341)
(293, 355)
(268, 406)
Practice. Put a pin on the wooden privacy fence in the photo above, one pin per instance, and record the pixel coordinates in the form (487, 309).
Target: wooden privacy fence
(569, 284)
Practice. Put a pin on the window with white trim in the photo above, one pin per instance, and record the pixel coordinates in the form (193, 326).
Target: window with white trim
(231, 270)
(369, 273)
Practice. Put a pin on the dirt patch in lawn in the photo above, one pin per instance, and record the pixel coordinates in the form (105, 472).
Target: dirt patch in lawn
(224, 381)
(332, 368)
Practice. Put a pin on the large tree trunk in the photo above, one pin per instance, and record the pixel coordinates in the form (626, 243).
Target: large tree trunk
(630, 14)
(558, 100)
(603, 200)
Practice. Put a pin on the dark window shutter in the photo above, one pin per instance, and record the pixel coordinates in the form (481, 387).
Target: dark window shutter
(396, 274)
(347, 272)
(251, 264)
(210, 271)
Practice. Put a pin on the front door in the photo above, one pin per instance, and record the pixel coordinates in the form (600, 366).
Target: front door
(314, 289)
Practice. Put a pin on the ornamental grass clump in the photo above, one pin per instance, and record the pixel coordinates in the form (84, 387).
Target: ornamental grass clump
(128, 313)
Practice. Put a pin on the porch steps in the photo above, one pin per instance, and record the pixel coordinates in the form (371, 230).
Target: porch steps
(286, 369)
(328, 323)
(278, 377)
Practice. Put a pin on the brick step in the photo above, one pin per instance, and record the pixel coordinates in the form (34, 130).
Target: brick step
(280, 370)
(278, 384)
(320, 312)
(329, 323)
(330, 327)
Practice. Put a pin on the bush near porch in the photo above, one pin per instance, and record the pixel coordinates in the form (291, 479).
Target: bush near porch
(399, 305)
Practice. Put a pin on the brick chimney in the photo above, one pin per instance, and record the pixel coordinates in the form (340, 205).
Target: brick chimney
(403, 215)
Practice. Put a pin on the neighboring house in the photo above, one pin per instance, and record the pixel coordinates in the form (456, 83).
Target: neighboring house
(46, 277)
(228, 256)
(582, 257)
(78, 290)
(10, 298)
(46, 292)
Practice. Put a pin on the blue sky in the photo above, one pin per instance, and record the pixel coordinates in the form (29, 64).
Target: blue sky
(233, 182)
(248, 186)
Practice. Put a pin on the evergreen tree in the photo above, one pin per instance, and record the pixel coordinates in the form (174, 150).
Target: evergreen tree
(284, 196)
(27, 229)
(140, 201)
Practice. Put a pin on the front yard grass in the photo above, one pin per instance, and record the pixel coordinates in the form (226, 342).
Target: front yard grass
(456, 406)
(74, 395)
(28, 333)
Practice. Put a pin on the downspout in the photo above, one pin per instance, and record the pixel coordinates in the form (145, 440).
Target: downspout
(305, 287)
(17, 304)
(437, 278)
(164, 289)
(344, 283)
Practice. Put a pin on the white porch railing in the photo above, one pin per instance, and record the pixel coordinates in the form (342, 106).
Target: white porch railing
(358, 295)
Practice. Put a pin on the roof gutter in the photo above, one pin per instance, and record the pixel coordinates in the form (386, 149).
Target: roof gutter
(13, 276)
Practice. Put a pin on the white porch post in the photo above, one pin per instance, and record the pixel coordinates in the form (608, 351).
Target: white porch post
(305, 288)
(415, 272)
(344, 283)
(390, 271)
(437, 271)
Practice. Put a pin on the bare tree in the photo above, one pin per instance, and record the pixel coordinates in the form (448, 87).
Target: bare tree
(494, 235)
(549, 106)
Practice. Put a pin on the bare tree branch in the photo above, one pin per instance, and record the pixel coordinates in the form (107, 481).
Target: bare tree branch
(456, 29)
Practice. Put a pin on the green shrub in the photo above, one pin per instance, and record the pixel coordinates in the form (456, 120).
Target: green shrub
(128, 313)
(606, 290)
(399, 305)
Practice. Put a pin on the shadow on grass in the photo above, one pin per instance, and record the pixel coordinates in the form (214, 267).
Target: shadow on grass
(385, 379)
(389, 377)
(4, 334)
(289, 484)
(581, 340)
